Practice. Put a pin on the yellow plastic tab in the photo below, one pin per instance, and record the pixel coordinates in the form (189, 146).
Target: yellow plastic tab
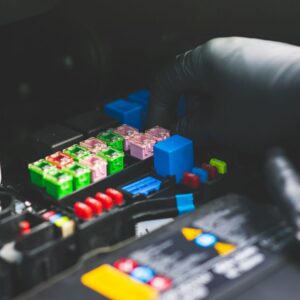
(116, 285)
(219, 164)
(191, 233)
(61, 221)
(224, 249)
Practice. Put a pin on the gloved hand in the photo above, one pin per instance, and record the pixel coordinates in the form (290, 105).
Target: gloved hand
(248, 94)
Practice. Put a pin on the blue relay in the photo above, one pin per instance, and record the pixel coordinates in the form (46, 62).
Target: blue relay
(125, 112)
(144, 186)
(140, 97)
(173, 157)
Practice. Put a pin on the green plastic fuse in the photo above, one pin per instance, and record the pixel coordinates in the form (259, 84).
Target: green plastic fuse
(81, 175)
(77, 152)
(58, 184)
(38, 170)
(115, 160)
(112, 139)
(219, 164)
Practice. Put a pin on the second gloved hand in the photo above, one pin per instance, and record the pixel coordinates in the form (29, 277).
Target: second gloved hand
(247, 91)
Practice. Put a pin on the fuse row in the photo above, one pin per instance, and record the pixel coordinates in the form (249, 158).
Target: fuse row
(95, 206)
(208, 171)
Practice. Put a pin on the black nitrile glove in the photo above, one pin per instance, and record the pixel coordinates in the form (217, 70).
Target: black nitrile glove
(248, 94)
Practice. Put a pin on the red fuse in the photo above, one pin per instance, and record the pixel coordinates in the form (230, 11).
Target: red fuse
(83, 211)
(95, 205)
(126, 265)
(115, 195)
(60, 159)
(106, 201)
(191, 180)
(24, 227)
(212, 171)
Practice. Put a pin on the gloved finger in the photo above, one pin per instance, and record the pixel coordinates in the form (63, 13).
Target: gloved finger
(185, 75)
(200, 129)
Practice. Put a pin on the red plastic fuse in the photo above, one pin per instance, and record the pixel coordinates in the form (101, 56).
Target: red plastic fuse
(126, 265)
(24, 227)
(59, 159)
(117, 196)
(212, 171)
(105, 200)
(95, 205)
(83, 211)
(191, 180)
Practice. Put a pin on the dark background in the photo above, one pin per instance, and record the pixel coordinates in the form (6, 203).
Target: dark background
(70, 56)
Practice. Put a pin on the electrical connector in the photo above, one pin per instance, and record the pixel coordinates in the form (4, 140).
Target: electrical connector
(94, 145)
(141, 146)
(112, 139)
(115, 160)
(144, 186)
(77, 152)
(126, 132)
(97, 165)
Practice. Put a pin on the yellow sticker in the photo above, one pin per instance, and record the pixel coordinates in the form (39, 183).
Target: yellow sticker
(59, 222)
(224, 248)
(116, 285)
(191, 233)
